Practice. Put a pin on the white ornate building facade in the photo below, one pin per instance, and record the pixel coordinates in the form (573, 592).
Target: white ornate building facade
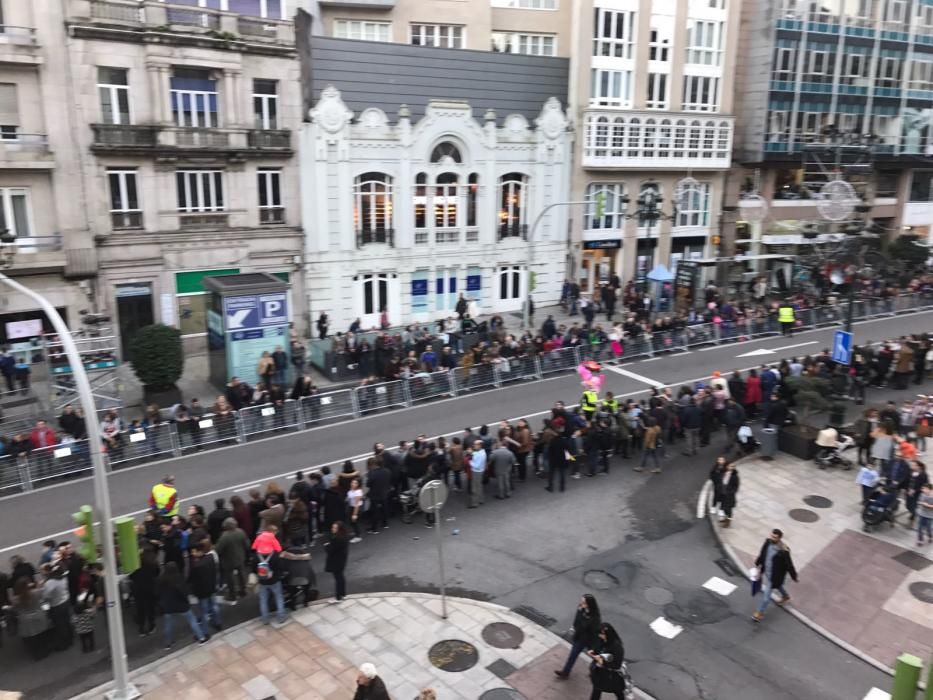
(405, 215)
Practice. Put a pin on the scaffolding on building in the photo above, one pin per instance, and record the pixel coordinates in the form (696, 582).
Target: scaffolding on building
(97, 346)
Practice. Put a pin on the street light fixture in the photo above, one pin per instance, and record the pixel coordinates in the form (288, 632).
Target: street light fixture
(648, 208)
(123, 689)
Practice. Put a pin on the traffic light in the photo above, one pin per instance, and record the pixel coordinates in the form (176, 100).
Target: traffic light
(127, 544)
(87, 547)
(600, 205)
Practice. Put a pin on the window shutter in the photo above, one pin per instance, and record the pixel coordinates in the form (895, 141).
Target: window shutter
(9, 109)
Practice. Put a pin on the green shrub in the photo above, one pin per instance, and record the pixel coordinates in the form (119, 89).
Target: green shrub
(156, 355)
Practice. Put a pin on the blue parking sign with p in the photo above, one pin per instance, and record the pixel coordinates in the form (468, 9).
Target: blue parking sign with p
(842, 348)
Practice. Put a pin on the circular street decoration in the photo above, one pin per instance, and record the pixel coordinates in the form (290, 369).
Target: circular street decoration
(818, 501)
(503, 635)
(753, 207)
(837, 200)
(453, 655)
(502, 694)
(802, 515)
(922, 590)
(658, 596)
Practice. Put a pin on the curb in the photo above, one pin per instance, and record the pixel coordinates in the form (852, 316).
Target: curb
(819, 629)
(99, 691)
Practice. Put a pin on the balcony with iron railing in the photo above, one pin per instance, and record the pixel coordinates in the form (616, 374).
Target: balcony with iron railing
(203, 220)
(626, 140)
(35, 254)
(26, 152)
(359, 4)
(129, 139)
(174, 22)
(367, 236)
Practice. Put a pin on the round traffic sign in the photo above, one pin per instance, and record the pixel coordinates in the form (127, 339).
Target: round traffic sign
(432, 496)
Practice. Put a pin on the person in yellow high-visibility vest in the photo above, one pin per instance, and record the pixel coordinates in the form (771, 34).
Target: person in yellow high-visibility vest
(164, 497)
(589, 402)
(786, 318)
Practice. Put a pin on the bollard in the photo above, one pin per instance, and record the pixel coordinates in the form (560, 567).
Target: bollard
(906, 677)
(929, 693)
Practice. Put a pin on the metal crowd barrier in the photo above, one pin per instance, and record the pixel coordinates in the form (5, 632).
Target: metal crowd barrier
(214, 430)
(260, 421)
(327, 407)
(377, 397)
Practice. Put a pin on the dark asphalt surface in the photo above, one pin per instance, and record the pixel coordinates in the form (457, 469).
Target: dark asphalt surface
(628, 538)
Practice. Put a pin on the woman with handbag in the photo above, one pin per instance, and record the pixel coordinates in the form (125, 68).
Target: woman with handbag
(585, 629)
(607, 671)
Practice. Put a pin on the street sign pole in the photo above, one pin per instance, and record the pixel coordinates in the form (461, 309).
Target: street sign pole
(431, 499)
(440, 552)
(123, 689)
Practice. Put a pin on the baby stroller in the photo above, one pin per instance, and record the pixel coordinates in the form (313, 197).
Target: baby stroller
(408, 501)
(880, 508)
(300, 583)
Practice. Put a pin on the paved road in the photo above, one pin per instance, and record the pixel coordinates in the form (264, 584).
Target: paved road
(30, 518)
(633, 539)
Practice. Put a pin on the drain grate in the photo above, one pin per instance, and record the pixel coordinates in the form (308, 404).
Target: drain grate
(501, 668)
(912, 560)
(536, 616)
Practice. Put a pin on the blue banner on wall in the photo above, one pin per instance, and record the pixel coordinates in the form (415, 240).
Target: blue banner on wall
(419, 292)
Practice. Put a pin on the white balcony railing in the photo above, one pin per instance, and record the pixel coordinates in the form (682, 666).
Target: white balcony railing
(647, 140)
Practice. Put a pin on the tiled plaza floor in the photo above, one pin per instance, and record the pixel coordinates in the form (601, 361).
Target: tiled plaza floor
(315, 655)
(854, 584)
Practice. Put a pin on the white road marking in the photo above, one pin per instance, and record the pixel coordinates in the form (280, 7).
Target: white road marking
(711, 347)
(641, 378)
(651, 359)
(665, 629)
(877, 694)
(720, 586)
(703, 500)
(798, 345)
(759, 351)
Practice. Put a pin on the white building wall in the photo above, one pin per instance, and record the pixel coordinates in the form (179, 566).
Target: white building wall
(339, 149)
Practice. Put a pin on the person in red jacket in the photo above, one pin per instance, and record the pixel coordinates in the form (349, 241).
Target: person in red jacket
(42, 436)
(752, 394)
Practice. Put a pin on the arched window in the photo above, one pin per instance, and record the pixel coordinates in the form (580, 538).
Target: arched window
(510, 282)
(605, 206)
(445, 201)
(472, 196)
(446, 149)
(513, 191)
(372, 208)
(374, 293)
(421, 200)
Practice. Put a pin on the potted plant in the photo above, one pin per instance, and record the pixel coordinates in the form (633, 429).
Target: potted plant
(809, 395)
(158, 361)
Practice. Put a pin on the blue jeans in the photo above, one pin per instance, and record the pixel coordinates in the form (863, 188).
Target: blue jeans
(168, 622)
(766, 589)
(575, 649)
(267, 591)
(924, 526)
(651, 452)
(209, 612)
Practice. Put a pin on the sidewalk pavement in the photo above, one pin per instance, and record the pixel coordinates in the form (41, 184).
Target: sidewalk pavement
(872, 593)
(315, 656)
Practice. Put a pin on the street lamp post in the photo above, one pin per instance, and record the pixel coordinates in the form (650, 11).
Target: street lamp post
(123, 689)
(648, 209)
(526, 278)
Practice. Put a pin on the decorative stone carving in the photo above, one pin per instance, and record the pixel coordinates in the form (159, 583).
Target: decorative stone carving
(374, 118)
(516, 123)
(552, 120)
(331, 112)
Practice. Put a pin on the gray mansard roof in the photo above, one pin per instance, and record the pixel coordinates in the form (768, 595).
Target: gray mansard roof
(386, 75)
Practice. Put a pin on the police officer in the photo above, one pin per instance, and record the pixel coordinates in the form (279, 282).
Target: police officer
(164, 497)
(611, 404)
(786, 318)
(589, 403)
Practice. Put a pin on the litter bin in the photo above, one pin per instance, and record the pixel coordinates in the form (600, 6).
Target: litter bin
(769, 442)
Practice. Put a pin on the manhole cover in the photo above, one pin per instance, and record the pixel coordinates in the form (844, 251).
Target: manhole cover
(658, 596)
(503, 635)
(922, 590)
(501, 668)
(453, 655)
(502, 694)
(600, 580)
(700, 607)
(913, 560)
(802, 515)
(815, 501)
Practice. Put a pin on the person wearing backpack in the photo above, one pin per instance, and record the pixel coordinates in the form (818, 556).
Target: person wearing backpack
(269, 571)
